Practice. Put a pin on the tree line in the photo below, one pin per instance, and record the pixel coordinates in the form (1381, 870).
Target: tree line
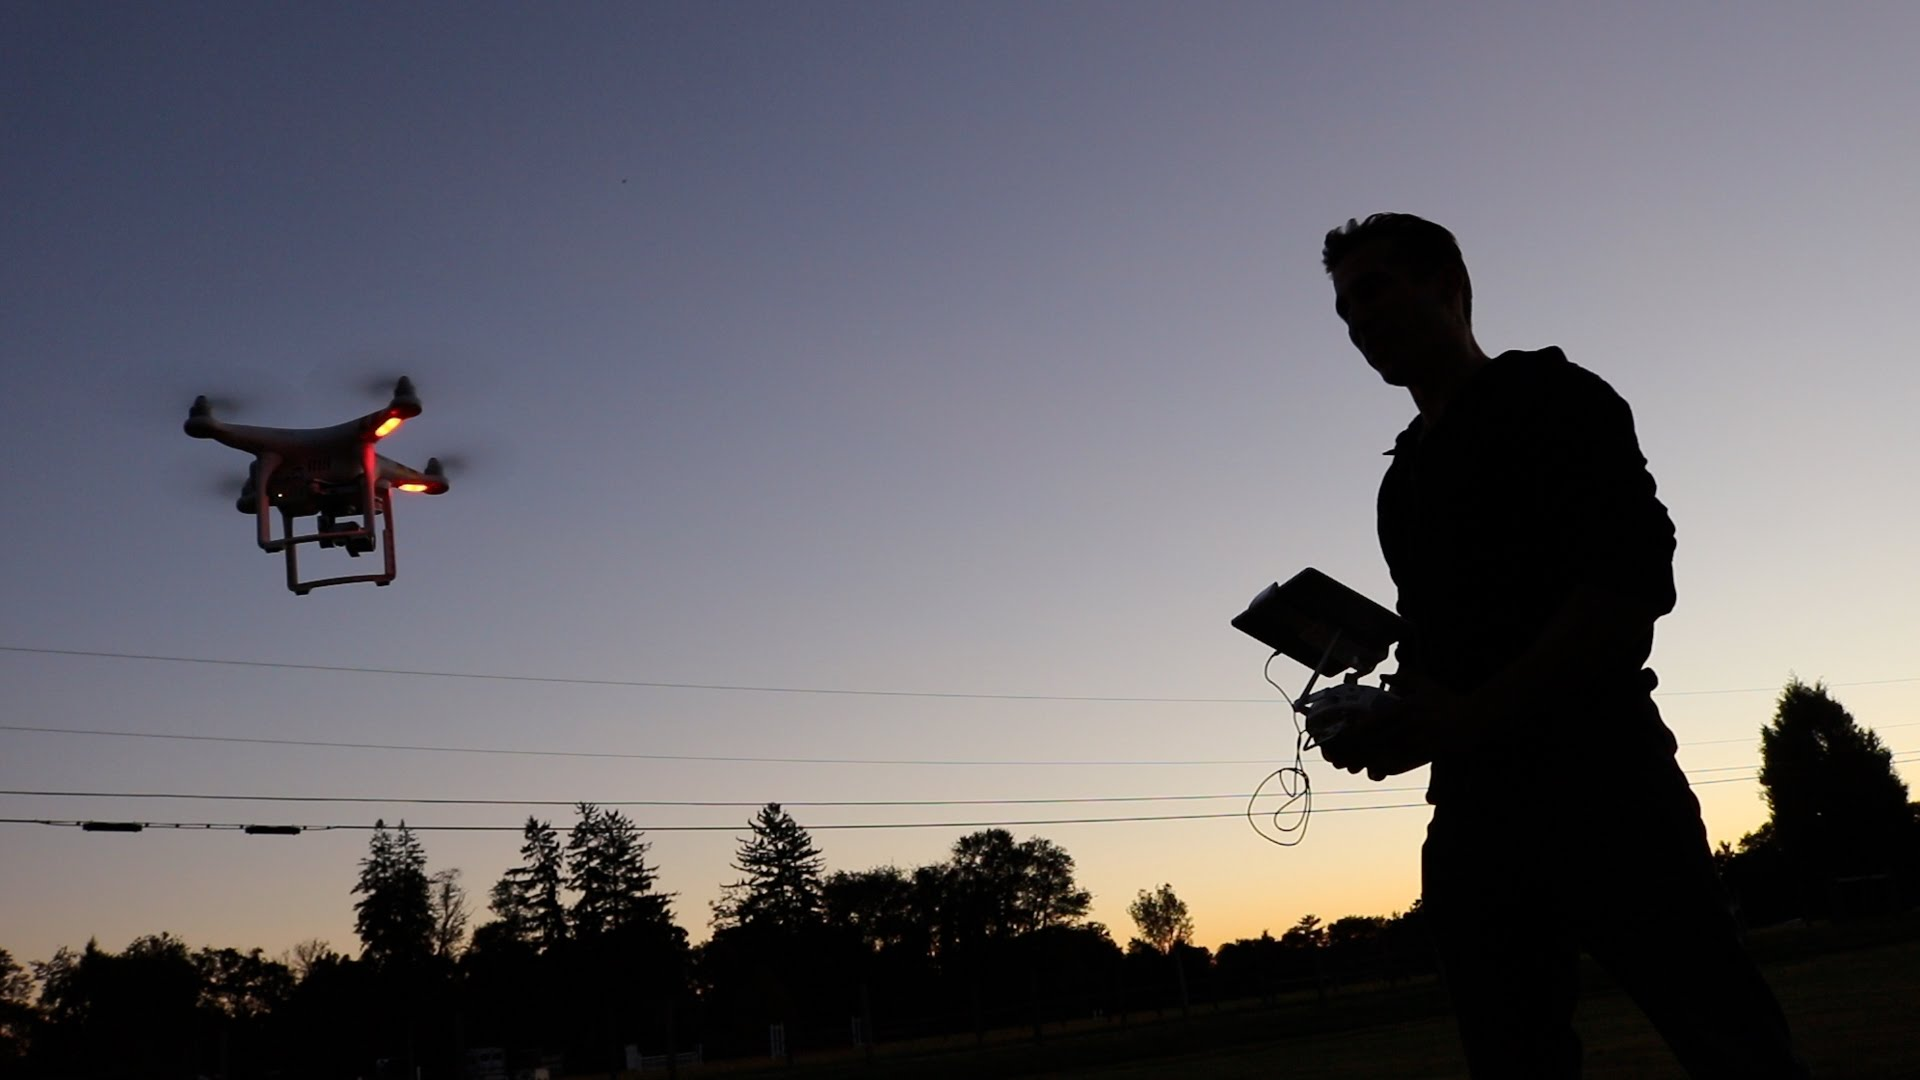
(580, 956)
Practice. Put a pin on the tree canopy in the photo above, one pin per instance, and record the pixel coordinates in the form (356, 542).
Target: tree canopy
(1839, 808)
(1162, 918)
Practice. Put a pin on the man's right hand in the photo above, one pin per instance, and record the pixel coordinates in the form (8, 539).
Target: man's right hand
(1384, 742)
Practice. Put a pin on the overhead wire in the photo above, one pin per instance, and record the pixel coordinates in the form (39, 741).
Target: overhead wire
(574, 680)
(696, 803)
(265, 740)
(611, 754)
(238, 826)
(642, 683)
(1289, 797)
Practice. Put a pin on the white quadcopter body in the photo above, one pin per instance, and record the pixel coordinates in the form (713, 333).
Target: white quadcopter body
(330, 473)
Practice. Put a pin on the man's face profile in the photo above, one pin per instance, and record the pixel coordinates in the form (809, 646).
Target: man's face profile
(1402, 322)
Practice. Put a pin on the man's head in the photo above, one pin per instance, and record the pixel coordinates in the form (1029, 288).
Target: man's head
(1402, 288)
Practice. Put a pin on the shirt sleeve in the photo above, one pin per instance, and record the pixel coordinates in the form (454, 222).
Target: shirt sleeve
(1599, 499)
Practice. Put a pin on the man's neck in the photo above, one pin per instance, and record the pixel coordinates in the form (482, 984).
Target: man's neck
(1433, 395)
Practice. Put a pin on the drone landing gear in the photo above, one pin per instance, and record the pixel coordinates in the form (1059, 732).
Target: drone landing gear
(357, 540)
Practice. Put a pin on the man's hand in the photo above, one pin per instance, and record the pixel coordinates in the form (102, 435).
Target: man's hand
(1426, 719)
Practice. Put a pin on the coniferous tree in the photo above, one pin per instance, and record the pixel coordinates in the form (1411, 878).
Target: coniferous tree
(16, 1009)
(394, 915)
(627, 958)
(781, 887)
(527, 898)
(608, 872)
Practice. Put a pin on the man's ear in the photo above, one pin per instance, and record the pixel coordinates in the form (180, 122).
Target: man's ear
(1453, 285)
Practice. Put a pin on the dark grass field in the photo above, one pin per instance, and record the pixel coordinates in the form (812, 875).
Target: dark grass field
(1852, 994)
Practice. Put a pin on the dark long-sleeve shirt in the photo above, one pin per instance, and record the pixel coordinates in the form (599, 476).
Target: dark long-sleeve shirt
(1531, 484)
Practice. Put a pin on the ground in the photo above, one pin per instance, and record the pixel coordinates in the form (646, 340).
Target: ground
(1851, 993)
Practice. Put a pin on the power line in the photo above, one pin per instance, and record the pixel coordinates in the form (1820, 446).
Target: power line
(1748, 769)
(240, 827)
(96, 825)
(263, 740)
(207, 797)
(606, 754)
(755, 689)
(643, 683)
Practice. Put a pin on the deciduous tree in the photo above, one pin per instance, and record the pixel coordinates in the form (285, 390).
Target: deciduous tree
(1838, 807)
(1162, 918)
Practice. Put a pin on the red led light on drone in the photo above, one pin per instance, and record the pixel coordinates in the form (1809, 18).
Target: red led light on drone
(413, 487)
(387, 427)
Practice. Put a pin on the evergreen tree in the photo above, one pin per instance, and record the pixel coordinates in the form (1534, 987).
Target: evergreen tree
(16, 1009)
(394, 915)
(608, 872)
(781, 889)
(527, 898)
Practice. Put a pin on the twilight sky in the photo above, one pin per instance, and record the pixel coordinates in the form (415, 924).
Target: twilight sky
(959, 348)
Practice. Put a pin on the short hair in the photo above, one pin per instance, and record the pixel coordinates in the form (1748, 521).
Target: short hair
(1427, 248)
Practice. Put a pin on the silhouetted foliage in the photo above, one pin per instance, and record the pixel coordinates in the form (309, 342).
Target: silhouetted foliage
(879, 909)
(131, 1013)
(394, 915)
(17, 1013)
(1838, 807)
(993, 888)
(1840, 816)
(1162, 918)
(626, 965)
(527, 898)
(1307, 933)
(447, 899)
(993, 936)
(241, 985)
(781, 889)
(608, 873)
(770, 960)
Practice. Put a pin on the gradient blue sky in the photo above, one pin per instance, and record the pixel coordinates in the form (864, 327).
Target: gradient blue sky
(964, 347)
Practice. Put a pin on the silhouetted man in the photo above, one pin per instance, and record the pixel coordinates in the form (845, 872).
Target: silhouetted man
(1532, 557)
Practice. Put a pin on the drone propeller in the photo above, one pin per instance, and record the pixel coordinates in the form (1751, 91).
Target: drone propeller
(223, 404)
(196, 484)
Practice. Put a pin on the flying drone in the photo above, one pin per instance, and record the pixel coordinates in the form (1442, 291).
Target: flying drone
(329, 473)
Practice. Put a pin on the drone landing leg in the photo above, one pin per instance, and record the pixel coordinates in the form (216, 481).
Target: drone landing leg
(293, 557)
(263, 501)
(383, 503)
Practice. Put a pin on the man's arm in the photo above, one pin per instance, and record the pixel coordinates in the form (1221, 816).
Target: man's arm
(1583, 641)
(1577, 645)
(1617, 541)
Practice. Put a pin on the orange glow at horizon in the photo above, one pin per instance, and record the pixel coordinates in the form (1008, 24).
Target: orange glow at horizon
(388, 426)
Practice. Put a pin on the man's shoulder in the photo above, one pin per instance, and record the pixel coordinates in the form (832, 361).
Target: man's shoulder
(1545, 378)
